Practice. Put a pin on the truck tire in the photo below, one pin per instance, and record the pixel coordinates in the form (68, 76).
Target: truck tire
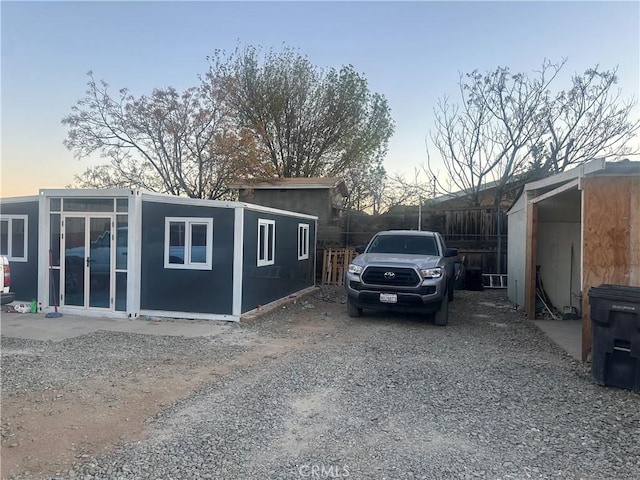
(352, 310)
(441, 317)
(450, 292)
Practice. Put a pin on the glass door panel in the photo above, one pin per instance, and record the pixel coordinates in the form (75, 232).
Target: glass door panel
(99, 262)
(74, 261)
(88, 262)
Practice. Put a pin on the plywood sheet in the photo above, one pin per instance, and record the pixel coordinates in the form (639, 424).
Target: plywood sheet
(634, 232)
(611, 235)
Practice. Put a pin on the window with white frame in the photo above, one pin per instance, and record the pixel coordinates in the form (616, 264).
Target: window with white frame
(14, 237)
(188, 243)
(303, 241)
(266, 242)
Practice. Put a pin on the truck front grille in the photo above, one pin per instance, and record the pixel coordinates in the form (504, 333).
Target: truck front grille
(391, 276)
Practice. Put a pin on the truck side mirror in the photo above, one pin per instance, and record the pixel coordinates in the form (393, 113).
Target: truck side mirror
(451, 252)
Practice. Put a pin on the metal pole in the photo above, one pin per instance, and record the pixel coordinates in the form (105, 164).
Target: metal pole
(499, 236)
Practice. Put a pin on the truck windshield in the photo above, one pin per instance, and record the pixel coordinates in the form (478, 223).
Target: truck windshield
(404, 244)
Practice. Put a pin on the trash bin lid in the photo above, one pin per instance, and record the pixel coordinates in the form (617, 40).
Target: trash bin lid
(622, 293)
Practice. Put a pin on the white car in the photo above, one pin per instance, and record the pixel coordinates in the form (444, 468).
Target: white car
(6, 295)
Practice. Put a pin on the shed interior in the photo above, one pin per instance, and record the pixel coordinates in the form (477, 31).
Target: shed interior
(559, 247)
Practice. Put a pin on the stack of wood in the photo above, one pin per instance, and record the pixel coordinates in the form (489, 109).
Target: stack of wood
(335, 263)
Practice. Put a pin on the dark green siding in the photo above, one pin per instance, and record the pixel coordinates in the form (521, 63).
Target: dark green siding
(262, 285)
(24, 275)
(197, 291)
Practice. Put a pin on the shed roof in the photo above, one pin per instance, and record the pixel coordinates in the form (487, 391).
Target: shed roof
(298, 183)
(570, 179)
(597, 166)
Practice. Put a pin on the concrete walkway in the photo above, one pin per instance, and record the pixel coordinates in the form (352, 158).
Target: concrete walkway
(37, 327)
(567, 334)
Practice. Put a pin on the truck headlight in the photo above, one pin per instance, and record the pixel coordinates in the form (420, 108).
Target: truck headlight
(355, 269)
(432, 272)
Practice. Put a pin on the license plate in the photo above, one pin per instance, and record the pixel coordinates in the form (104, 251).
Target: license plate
(388, 298)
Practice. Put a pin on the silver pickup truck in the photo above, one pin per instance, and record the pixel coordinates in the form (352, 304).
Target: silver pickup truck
(402, 270)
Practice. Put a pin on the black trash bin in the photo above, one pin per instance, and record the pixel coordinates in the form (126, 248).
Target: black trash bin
(473, 279)
(615, 336)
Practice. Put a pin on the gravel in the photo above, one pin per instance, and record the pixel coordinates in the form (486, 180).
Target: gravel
(33, 365)
(383, 396)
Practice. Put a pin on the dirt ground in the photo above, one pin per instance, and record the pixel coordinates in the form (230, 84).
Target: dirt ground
(48, 432)
(388, 395)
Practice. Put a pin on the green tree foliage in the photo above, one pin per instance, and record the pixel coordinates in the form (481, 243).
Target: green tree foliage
(311, 122)
(249, 118)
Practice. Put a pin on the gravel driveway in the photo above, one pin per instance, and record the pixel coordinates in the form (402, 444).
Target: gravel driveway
(306, 392)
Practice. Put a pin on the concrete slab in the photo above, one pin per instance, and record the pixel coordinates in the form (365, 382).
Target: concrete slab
(567, 334)
(35, 326)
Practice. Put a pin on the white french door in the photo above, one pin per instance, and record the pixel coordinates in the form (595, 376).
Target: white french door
(88, 262)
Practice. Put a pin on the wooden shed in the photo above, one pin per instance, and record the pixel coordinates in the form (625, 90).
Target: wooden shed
(575, 230)
(318, 196)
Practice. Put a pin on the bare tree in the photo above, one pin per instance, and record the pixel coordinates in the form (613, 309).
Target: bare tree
(311, 122)
(587, 121)
(487, 138)
(366, 188)
(170, 142)
(508, 126)
(414, 189)
(376, 191)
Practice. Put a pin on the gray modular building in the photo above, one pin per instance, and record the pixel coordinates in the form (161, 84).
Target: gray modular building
(125, 253)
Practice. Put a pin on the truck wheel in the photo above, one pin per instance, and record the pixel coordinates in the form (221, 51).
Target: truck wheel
(352, 310)
(450, 292)
(441, 317)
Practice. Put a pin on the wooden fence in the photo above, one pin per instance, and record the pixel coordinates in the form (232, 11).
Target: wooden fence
(479, 234)
(335, 263)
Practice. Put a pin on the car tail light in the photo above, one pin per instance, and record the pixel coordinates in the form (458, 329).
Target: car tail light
(7, 276)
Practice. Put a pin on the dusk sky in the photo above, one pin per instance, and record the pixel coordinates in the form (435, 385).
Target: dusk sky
(411, 52)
